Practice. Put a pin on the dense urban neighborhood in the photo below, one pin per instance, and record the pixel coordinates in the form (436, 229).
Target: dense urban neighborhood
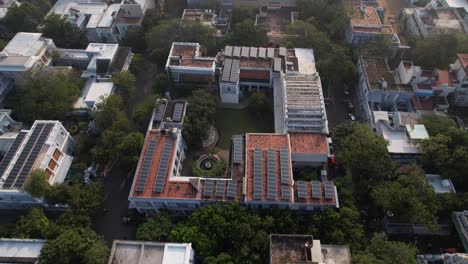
(234, 131)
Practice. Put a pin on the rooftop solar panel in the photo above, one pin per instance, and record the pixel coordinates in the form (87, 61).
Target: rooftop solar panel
(226, 70)
(228, 51)
(253, 52)
(220, 188)
(245, 52)
(237, 149)
(316, 189)
(262, 52)
(12, 151)
(258, 174)
(208, 188)
(236, 52)
(329, 190)
(235, 71)
(286, 192)
(177, 115)
(277, 64)
(145, 166)
(271, 53)
(163, 166)
(282, 51)
(232, 189)
(271, 174)
(284, 161)
(160, 112)
(302, 189)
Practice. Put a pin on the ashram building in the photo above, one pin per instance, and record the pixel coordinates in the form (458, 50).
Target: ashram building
(260, 165)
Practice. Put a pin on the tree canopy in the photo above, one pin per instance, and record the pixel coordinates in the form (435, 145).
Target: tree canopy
(26, 16)
(37, 184)
(438, 50)
(200, 115)
(383, 251)
(63, 33)
(78, 245)
(156, 228)
(410, 198)
(160, 38)
(365, 153)
(437, 124)
(246, 33)
(142, 112)
(125, 83)
(47, 97)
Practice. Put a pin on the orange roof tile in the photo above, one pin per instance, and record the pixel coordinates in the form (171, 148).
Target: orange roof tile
(309, 143)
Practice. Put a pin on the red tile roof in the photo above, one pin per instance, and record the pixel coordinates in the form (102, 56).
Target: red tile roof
(264, 142)
(444, 77)
(309, 143)
(252, 74)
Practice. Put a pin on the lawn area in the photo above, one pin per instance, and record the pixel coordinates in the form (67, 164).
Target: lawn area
(232, 121)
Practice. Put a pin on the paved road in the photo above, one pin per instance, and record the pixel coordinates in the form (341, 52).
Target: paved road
(109, 224)
(336, 109)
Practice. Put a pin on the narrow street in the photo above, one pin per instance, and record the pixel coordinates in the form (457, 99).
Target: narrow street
(336, 108)
(108, 221)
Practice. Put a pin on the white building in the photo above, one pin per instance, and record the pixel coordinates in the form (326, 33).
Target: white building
(25, 52)
(4, 5)
(25, 251)
(187, 65)
(46, 146)
(285, 248)
(139, 252)
(93, 93)
(365, 23)
(97, 60)
(103, 22)
(447, 258)
(460, 221)
(460, 69)
(437, 16)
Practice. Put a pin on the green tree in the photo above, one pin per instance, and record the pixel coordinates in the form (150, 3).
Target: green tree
(33, 225)
(246, 33)
(365, 153)
(37, 184)
(437, 124)
(390, 251)
(82, 199)
(222, 258)
(231, 229)
(410, 198)
(47, 97)
(259, 104)
(125, 82)
(80, 245)
(240, 14)
(339, 133)
(106, 148)
(129, 149)
(110, 114)
(63, 33)
(27, 16)
(438, 50)
(142, 112)
(329, 13)
(137, 63)
(200, 115)
(156, 228)
(305, 34)
(133, 38)
(339, 227)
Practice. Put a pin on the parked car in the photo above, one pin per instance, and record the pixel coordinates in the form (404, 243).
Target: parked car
(352, 117)
(349, 105)
(347, 92)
